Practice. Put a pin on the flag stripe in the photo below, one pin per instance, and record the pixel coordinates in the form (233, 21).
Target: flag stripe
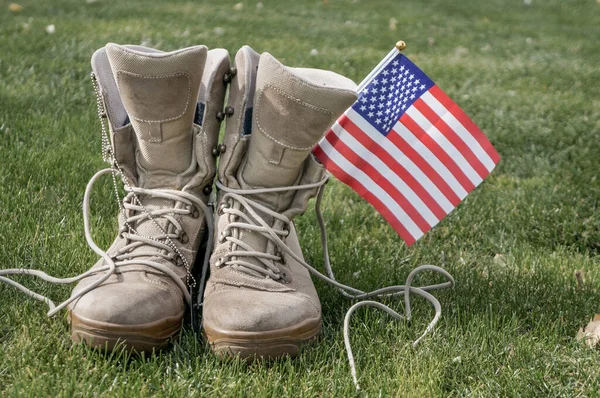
(452, 136)
(363, 184)
(437, 151)
(461, 132)
(445, 144)
(422, 156)
(470, 126)
(361, 158)
(418, 181)
(347, 179)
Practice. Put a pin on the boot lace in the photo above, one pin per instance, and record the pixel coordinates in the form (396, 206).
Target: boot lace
(248, 218)
(161, 246)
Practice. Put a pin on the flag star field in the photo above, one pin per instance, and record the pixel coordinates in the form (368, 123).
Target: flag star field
(386, 98)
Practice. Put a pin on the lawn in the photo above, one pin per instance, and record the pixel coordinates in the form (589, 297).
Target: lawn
(528, 73)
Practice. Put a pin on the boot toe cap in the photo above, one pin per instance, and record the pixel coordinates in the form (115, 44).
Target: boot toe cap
(258, 311)
(129, 300)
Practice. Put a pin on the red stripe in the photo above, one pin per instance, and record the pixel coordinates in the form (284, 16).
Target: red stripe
(396, 167)
(438, 151)
(380, 180)
(332, 137)
(452, 136)
(365, 193)
(425, 167)
(462, 117)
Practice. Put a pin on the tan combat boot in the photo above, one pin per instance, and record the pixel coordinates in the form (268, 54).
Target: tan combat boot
(162, 110)
(259, 301)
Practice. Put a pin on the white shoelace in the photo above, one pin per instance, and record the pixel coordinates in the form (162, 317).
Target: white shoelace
(254, 222)
(124, 257)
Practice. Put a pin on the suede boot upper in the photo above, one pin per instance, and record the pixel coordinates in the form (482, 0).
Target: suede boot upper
(280, 113)
(161, 108)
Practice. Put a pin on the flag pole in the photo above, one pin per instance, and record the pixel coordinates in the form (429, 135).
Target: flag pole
(400, 45)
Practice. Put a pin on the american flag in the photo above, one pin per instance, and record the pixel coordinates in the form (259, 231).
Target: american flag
(407, 148)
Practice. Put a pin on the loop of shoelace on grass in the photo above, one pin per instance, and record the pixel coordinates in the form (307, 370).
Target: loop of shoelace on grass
(254, 222)
(123, 257)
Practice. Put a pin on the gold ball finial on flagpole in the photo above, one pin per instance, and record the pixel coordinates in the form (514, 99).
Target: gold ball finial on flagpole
(400, 45)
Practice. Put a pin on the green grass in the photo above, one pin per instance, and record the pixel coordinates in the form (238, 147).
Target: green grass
(528, 74)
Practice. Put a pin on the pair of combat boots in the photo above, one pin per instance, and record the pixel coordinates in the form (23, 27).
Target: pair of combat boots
(164, 111)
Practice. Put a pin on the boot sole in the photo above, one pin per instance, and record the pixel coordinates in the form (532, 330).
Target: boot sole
(139, 338)
(263, 345)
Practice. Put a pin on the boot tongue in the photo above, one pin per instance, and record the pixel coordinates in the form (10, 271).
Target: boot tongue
(159, 92)
(293, 108)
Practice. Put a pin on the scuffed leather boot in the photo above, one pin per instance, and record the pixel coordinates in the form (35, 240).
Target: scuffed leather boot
(259, 301)
(162, 113)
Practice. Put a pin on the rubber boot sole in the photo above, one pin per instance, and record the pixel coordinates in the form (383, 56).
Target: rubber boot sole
(139, 338)
(263, 345)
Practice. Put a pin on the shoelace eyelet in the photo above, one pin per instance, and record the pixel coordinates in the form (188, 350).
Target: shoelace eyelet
(219, 149)
(285, 278)
(179, 262)
(229, 111)
(183, 237)
(223, 236)
(122, 232)
(222, 207)
(195, 213)
(228, 76)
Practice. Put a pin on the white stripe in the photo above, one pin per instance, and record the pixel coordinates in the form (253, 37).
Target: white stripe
(370, 185)
(460, 130)
(402, 159)
(386, 172)
(431, 159)
(446, 145)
